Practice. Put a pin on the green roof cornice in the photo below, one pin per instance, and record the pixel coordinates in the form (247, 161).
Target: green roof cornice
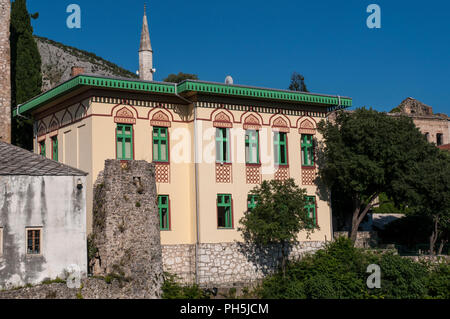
(334, 102)
(330, 101)
(97, 82)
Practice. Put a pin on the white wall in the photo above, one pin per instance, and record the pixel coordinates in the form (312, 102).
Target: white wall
(56, 205)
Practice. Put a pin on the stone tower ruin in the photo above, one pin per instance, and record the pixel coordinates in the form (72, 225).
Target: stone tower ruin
(126, 233)
(5, 72)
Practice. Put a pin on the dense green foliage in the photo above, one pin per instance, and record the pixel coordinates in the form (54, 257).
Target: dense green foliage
(278, 217)
(173, 290)
(339, 272)
(26, 78)
(298, 83)
(428, 193)
(388, 206)
(366, 153)
(180, 77)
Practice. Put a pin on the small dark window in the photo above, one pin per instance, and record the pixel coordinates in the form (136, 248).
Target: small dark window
(224, 211)
(34, 241)
(439, 139)
(427, 136)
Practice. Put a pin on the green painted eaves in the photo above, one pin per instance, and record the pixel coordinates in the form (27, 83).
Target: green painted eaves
(262, 93)
(332, 102)
(93, 81)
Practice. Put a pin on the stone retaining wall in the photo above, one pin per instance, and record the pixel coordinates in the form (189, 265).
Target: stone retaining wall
(228, 264)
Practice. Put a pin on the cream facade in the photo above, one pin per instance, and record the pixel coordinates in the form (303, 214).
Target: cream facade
(83, 127)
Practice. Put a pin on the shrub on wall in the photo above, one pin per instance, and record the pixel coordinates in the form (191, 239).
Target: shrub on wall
(340, 272)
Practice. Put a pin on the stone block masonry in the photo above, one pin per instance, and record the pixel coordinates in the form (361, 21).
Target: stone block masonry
(5, 72)
(126, 226)
(225, 265)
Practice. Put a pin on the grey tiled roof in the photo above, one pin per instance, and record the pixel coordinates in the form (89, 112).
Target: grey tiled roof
(17, 161)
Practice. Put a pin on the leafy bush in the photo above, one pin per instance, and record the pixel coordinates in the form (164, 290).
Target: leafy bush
(402, 278)
(173, 290)
(339, 271)
(438, 282)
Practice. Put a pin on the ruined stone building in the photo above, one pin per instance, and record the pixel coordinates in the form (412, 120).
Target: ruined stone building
(436, 127)
(5, 72)
(211, 144)
(42, 218)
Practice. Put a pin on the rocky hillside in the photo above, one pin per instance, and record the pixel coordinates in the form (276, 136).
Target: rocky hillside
(58, 59)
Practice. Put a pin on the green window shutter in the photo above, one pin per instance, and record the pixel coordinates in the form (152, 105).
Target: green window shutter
(307, 150)
(164, 212)
(55, 148)
(224, 211)
(160, 144)
(124, 142)
(280, 148)
(252, 147)
(42, 148)
(311, 209)
(252, 201)
(222, 145)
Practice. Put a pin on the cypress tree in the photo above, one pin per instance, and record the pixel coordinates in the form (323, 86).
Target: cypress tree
(26, 77)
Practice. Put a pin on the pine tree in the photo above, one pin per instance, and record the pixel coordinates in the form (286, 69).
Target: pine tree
(298, 83)
(26, 77)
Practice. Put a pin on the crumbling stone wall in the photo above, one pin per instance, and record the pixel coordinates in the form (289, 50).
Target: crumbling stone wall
(126, 231)
(5, 72)
(125, 247)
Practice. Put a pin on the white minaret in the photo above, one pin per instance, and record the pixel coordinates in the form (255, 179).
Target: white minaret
(146, 69)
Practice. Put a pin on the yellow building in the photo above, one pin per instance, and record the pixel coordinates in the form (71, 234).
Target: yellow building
(211, 144)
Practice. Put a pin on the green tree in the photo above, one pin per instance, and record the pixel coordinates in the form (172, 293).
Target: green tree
(366, 153)
(26, 77)
(428, 193)
(298, 83)
(180, 77)
(278, 217)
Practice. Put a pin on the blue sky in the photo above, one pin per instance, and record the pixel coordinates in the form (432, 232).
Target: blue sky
(261, 43)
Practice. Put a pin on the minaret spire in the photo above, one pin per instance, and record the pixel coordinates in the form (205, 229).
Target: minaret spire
(145, 52)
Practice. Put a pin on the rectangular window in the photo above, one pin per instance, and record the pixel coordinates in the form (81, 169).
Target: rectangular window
(55, 148)
(223, 145)
(42, 148)
(439, 139)
(34, 241)
(160, 144)
(252, 201)
(311, 209)
(252, 146)
(224, 211)
(164, 212)
(280, 148)
(307, 150)
(125, 142)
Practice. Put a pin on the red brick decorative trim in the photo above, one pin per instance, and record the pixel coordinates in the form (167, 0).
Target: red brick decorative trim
(162, 173)
(224, 173)
(160, 119)
(282, 173)
(308, 175)
(222, 120)
(253, 174)
(124, 116)
(307, 127)
(252, 123)
(280, 124)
